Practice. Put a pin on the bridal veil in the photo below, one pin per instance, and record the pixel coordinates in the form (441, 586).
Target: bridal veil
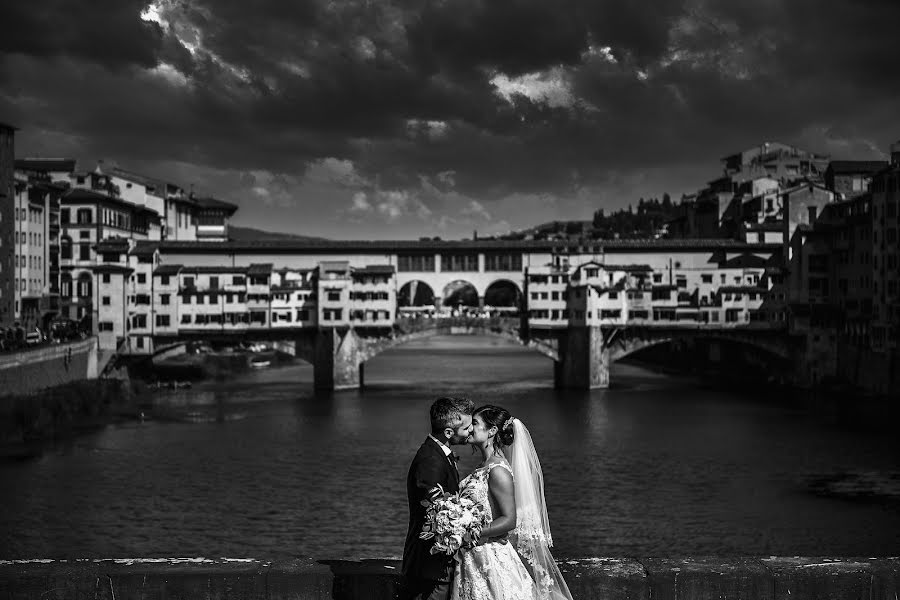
(532, 533)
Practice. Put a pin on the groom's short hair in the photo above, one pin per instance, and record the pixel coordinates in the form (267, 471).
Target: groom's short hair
(448, 411)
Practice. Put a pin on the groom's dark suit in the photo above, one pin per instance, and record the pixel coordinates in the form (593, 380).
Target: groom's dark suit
(431, 467)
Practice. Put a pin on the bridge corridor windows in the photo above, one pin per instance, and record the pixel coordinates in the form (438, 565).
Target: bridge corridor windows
(416, 262)
(502, 261)
(459, 262)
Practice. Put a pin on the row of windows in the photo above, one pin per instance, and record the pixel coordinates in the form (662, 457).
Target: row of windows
(65, 251)
(369, 296)
(34, 216)
(26, 284)
(731, 315)
(83, 216)
(35, 239)
(460, 262)
(33, 262)
(562, 278)
(114, 218)
(229, 318)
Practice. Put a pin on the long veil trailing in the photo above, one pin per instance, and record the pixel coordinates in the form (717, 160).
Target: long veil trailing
(532, 533)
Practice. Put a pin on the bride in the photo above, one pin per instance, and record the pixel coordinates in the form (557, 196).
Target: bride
(511, 560)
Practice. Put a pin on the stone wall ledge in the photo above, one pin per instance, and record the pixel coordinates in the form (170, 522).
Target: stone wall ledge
(687, 578)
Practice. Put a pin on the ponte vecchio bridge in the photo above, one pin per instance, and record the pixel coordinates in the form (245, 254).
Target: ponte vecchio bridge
(342, 303)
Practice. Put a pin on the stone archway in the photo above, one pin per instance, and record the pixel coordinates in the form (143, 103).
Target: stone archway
(415, 294)
(503, 296)
(460, 295)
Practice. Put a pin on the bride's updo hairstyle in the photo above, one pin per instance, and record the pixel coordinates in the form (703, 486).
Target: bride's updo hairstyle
(495, 416)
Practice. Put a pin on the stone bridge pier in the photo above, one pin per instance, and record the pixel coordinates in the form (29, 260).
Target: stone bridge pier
(583, 359)
(338, 357)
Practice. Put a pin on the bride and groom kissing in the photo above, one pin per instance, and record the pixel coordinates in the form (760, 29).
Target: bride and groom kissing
(509, 558)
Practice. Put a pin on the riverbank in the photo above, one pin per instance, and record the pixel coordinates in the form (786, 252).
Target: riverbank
(707, 578)
(28, 421)
(207, 365)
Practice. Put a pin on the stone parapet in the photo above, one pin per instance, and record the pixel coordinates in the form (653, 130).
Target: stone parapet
(704, 578)
(29, 371)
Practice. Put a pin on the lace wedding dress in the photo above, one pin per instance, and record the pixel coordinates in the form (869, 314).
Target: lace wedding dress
(492, 571)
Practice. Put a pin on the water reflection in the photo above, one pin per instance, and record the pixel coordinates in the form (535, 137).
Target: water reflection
(655, 465)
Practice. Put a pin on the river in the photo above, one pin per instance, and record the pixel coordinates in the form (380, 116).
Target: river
(656, 465)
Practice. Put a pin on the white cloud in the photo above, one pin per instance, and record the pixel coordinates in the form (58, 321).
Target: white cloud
(603, 53)
(552, 86)
(432, 130)
(394, 204)
(170, 74)
(448, 178)
(335, 170)
(476, 209)
(360, 203)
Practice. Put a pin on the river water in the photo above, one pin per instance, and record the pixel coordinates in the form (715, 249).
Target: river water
(655, 465)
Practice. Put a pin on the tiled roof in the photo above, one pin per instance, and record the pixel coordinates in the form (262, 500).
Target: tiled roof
(144, 248)
(157, 184)
(334, 265)
(111, 268)
(744, 261)
(387, 246)
(765, 226)
(79, 195)
(213, 270)
(168, 270)
(259, 269)
(375, 270)
(214, 204)
(112, 245)
(628, 268)
(741, 289)
(46, 165)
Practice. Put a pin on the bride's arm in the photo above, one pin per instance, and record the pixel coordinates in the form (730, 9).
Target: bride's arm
(500, 486)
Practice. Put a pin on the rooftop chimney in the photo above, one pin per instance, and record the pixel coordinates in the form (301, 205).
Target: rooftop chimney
(895, 153)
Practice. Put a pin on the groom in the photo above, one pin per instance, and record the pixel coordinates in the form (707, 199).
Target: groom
(433, 471)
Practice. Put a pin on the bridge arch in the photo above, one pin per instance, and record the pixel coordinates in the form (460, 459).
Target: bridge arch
(503, 294)
(415, 293)
(627, 345)
(460, 293)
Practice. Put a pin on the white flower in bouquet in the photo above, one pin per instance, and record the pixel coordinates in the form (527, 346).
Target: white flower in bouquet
(452, 521)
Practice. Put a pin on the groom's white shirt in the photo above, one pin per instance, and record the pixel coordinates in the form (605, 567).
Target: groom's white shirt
(439, 489)
(443, 446)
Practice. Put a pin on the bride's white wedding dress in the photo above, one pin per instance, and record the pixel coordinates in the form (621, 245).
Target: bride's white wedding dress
(523, 567)
(492, 571)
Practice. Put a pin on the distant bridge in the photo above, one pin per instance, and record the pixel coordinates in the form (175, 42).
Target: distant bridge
(582, 354)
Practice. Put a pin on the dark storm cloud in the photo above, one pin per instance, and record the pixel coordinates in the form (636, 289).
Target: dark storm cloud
(109, 32)
(404, 89)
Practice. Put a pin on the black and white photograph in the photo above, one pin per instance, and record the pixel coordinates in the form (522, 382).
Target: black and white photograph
(450, 300)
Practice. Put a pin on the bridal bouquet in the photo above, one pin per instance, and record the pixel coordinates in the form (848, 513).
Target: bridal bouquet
(452, 520)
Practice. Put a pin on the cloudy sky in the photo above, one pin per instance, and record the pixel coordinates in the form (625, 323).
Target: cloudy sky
(395, 119)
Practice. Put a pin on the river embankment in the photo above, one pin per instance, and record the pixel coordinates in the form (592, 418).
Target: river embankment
(706, 578)
(28, 421)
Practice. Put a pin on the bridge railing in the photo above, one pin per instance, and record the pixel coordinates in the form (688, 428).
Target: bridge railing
(407, 325)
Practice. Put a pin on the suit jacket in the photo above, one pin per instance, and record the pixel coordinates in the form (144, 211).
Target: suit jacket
(429, 468)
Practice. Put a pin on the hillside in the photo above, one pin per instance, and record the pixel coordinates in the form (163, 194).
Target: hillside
(248, 234)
